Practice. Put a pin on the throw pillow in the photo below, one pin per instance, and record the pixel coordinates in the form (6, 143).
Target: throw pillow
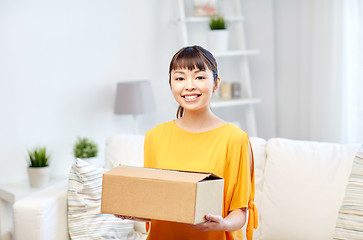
(349, 223)
(84, 202)
(124, 149)
(303, 188)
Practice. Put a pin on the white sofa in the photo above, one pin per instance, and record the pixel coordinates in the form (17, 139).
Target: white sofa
(300, 186)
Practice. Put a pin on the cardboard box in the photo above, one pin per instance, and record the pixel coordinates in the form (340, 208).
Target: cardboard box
(168, 195)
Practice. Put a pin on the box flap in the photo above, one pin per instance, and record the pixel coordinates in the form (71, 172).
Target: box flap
(160, 174)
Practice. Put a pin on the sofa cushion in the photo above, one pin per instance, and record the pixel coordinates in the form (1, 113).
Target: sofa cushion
(303, 188)
(350, 218)
(84, 203)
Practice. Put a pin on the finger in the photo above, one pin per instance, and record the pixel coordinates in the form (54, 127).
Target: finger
(213, 218)
(121, 216)
(200, 226)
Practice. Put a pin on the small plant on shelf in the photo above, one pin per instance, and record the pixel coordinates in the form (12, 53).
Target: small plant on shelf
(217, 22)
(38, 157)
(218, 34)
(85, 148)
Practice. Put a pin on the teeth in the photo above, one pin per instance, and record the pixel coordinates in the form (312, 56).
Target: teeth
(191, 97)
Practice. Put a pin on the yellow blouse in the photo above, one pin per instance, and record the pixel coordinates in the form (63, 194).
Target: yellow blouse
(224, 151)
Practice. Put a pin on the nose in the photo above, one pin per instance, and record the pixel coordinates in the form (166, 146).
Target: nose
(189, 84)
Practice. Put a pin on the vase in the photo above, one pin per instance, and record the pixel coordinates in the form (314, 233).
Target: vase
(225, 91)
(218, 40)
(38, 176)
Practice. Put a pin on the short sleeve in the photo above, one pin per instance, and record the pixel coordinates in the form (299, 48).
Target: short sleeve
(241, 173)
(244, 190)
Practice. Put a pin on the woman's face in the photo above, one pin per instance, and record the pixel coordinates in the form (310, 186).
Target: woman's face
(193, 89)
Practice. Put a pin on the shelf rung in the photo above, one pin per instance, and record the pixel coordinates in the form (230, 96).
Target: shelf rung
(206, 19)
(236, 53)
(233, 102)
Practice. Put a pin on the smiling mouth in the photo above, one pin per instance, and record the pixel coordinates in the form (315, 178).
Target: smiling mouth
(191, 97)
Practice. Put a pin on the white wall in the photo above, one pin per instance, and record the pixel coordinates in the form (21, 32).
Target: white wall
(260, 34)
(60, 62)
(288, 80)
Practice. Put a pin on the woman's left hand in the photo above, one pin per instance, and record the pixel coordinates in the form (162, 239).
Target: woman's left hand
(213, 223)
(232, 222)
(132, 218)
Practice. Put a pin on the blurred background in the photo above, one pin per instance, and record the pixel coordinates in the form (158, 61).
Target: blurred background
(60, 62)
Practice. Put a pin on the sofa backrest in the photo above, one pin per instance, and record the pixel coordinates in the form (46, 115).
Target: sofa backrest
(299, 184)
(303, 188)
(259, 153)
(129, 150)
(124, 149)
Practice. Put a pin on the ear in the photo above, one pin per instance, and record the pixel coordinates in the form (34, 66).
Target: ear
(216, 84)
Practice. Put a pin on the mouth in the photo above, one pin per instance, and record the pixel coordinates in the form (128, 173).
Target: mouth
(191, 97)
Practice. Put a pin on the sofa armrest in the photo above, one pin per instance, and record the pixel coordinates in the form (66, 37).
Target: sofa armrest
(42, 215)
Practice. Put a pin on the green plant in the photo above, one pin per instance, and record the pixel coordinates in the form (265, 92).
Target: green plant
(85, 148)
(38, 157)
(217, 22)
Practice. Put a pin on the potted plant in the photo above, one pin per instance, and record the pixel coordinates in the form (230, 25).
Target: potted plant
(38, 170)
(218, 34)
(86, 150)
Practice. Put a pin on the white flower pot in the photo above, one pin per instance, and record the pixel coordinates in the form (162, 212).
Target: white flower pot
(218, 40)
(38, 176)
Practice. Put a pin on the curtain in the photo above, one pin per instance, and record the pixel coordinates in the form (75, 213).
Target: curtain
(352, 71)
(331, 63)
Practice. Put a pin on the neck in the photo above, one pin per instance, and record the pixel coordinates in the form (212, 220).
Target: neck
(195, 117)
(199, 121)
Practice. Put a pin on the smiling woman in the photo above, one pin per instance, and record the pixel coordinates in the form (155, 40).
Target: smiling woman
(200, 141)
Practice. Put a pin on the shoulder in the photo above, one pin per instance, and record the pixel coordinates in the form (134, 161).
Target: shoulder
(235, 137)
(235, 132)
(159, 129)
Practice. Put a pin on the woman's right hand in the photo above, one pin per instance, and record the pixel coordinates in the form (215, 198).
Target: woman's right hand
(132, 218)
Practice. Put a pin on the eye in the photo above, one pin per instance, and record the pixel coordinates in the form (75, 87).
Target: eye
(179, 79)
(200, 77)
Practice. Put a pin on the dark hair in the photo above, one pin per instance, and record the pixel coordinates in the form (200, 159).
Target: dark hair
(193, 57)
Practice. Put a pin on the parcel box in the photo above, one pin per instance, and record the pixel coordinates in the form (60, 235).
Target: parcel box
(168, 195)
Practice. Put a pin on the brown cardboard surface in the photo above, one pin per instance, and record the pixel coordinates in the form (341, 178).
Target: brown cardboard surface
(161, 194)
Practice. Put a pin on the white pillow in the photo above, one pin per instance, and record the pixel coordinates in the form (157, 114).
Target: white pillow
(84, 203)
(303, 188)
(125, 149)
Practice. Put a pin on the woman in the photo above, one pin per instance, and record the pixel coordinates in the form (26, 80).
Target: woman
(200, 141)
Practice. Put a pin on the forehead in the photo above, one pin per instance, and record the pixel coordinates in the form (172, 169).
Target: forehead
(194, 70)
(189, 63)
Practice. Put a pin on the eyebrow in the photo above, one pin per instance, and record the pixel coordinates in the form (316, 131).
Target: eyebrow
(182, 72)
